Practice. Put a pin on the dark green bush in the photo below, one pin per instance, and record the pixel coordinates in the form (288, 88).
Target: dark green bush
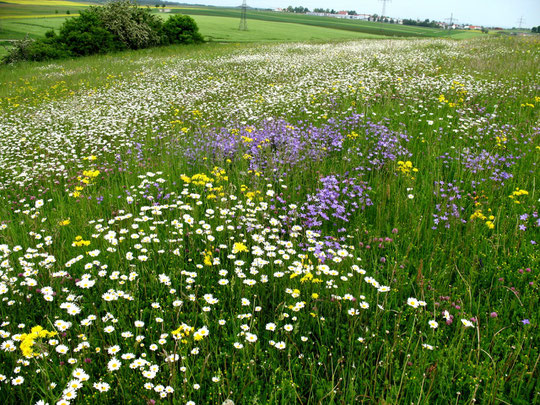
(87, 35)
(181, 29)
(35, 50)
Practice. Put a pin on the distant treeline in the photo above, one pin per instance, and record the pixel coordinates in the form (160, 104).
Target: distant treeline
(425, 23)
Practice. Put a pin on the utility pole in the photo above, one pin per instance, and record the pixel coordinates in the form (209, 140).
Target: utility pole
(243, 17)
(384, 7)
(451, 20)
(520, 22)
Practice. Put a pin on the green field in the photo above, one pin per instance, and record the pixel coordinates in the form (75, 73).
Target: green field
(391, 30)
(8, 10)
(225, 29)
(221, 24)
(33, 27)
(279, 223)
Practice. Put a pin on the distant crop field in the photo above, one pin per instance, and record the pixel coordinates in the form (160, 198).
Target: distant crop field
(34, 27)
(56, 3)
(12, 10)
(225, 29)
(327, 22)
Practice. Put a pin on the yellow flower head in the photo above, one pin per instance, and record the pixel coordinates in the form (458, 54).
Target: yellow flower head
(239, 247)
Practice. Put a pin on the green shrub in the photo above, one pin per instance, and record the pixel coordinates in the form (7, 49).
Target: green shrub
(35, 50)
(181, 29)
(133, 26)
(87, 35)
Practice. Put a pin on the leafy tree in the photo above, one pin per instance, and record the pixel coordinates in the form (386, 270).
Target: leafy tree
(135, 27)
(181, 29)
(87, 35)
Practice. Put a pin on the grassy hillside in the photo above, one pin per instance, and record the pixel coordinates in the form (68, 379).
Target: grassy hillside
(225, 29)
(18, 28)
(327, 22)
(38, 8)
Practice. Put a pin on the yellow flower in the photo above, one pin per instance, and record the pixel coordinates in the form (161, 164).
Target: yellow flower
(29, 339)
(64, 222)
(239, 247)
(208, 259)
(91, 173)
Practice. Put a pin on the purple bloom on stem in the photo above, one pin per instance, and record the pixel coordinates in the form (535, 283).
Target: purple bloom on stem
(525, 321)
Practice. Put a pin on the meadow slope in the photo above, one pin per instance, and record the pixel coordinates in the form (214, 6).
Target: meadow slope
(330, 223)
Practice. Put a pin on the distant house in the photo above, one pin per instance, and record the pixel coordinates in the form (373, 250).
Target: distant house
(343, 15)
(164, 10)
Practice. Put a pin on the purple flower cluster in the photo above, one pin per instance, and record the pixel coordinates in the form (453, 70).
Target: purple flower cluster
(448, 207)
(528, 220)
(278, 145)
(493, 166)
(274, 144)
(334, 202)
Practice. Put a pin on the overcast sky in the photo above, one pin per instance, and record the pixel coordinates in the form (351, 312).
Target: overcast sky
(504, 13)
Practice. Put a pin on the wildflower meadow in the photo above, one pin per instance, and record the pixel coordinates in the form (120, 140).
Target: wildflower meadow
(311, 223)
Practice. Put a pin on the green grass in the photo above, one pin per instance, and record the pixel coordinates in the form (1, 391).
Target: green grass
(128, 145)
(8, 10)
(225, 29)
(19, 28)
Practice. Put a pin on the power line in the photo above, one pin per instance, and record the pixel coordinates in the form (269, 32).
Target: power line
(243, 17)
(520, 22)
(384, 7)
(451, 20)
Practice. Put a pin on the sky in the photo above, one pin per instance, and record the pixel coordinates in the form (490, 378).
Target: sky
(500, 13)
